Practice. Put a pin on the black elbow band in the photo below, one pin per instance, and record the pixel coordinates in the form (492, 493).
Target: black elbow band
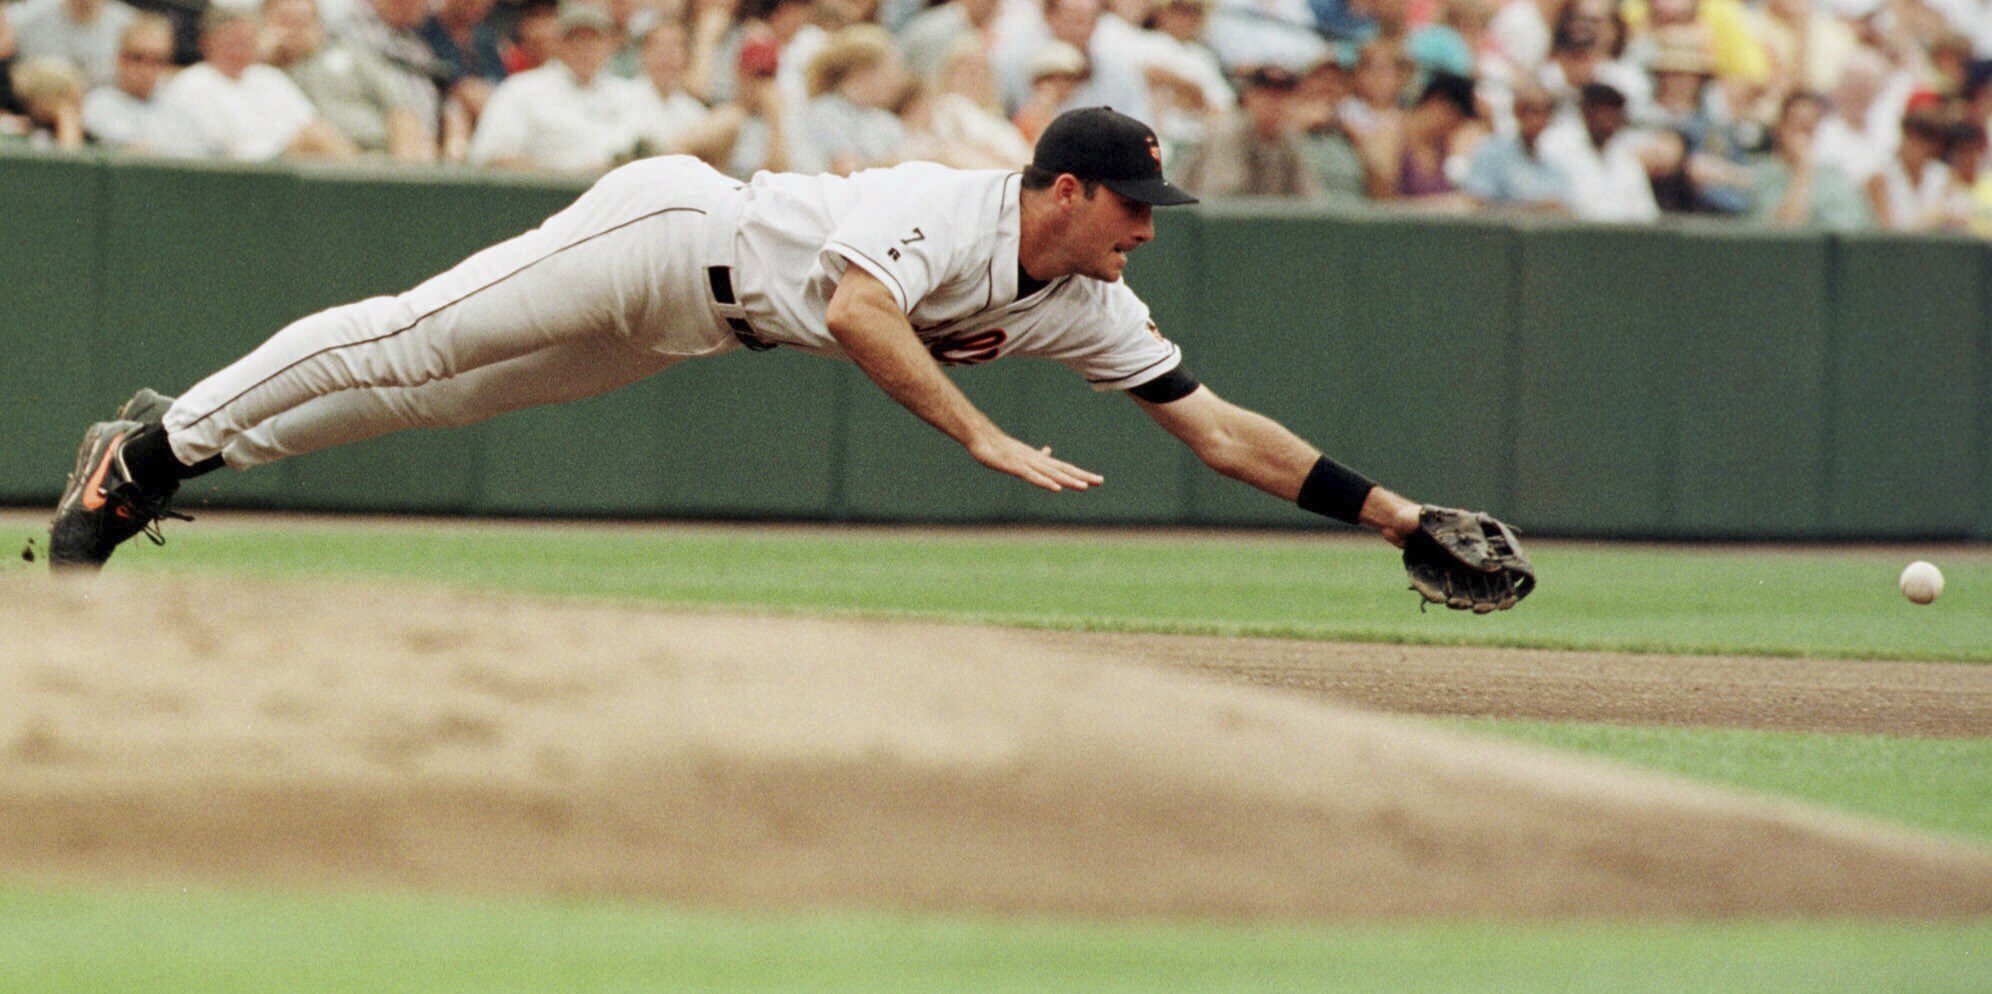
(1171, 386)
(1334, 490)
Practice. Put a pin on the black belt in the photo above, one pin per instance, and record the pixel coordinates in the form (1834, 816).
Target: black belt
(721, 279)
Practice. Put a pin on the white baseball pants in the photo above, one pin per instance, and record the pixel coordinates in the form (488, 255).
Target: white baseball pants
(604, 293)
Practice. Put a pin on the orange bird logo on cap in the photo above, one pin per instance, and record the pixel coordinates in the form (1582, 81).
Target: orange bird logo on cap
(1154, 149)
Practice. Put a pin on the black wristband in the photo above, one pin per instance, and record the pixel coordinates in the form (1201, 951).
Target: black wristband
(1334, 490)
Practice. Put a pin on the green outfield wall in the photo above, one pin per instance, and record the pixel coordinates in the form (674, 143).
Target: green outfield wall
(1697, 381)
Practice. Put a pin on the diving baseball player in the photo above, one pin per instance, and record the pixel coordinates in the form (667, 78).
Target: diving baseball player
(900, 270)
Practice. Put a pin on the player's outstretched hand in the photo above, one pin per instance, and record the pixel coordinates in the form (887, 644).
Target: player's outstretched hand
(1036, 466)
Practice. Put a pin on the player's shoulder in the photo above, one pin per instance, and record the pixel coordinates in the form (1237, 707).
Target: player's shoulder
(963, 203)
(932, 179)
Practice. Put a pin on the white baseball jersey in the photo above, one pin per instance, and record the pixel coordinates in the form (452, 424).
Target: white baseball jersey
(944, 241)
(620, 285)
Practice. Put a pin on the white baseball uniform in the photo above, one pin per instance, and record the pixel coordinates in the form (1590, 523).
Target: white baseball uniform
(662, 260)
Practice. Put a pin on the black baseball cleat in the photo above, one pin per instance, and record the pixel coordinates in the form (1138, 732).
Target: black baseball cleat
(102, 505)
(147, 407)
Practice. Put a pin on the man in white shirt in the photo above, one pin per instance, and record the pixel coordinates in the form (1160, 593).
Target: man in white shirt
(85, 32)
(901, 271)
(124, 114)
(230, 105)
(570, 115)
(1608, 181)
(1864, 116)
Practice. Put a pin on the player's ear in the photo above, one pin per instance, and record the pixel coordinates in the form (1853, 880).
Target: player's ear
(1067, 188)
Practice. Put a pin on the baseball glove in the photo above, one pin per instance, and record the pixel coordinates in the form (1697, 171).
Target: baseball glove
(1466, 560)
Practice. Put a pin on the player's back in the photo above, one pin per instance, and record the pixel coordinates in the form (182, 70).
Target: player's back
(810, 206)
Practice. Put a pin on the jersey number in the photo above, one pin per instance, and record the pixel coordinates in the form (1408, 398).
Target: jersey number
(968, 348)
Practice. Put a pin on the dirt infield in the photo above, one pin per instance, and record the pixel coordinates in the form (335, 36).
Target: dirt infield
(428, 739)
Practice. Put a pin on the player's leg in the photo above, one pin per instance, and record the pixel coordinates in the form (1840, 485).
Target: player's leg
(610, 290)
(589, 300)
(549, 376)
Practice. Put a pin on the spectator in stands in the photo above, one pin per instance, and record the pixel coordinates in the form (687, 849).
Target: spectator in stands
(533, 36)
(710, 23)
(1949, 64)
(1518, 39)
(354, 88)
(1187, 81)
(1806, 47)
(469, 50)
(1911, 189)
(50, 90)
(1253, 151)
(1451, 42)
(852, 81)
(664, 115)
(1584, 49)
(929, 37)
(1248, 33)
(1698, 158)
(1115, 75)
(756, 129)
(1791, 187)
(631, 24)
(125, 114)
(1602, 158)
(1430, 137)
(1374, 106)
(1056, 72)
(13, 120)
(1968, 208)
(1859, 131)
(1509, 171)
(773, 36)
(83, 32)
(1723, 27)
(1329, 151)
(391, 29)
(231, 105)
(965, 115)
(568, 116)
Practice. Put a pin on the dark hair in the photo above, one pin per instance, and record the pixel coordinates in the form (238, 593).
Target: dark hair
(1451, 88)
(761, 10)
(1928, 125)
(1961, 135)
(1037, 177)
(1570, 30)
(1601, 95)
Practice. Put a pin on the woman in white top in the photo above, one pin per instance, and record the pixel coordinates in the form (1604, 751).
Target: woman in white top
(1908, 192)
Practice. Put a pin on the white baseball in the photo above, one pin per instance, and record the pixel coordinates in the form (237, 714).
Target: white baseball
(1922, 582)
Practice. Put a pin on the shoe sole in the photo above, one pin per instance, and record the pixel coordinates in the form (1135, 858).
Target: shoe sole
(73, 528)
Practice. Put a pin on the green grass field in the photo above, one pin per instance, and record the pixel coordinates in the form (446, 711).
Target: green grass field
(1837, 602)
(1760, 601)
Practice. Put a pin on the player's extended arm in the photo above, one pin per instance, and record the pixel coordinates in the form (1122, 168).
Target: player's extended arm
(1255, 449)
(865, 319)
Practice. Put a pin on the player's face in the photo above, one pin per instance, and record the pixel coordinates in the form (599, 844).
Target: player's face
(1109, 227)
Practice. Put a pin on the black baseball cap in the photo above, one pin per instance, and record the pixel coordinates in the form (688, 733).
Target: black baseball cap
(1100, 143)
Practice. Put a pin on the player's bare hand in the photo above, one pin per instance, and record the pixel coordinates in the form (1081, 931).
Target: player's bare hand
(1391, 515)
(1036, 466)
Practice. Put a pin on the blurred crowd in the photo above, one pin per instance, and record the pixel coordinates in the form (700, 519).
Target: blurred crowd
(1836, 113)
